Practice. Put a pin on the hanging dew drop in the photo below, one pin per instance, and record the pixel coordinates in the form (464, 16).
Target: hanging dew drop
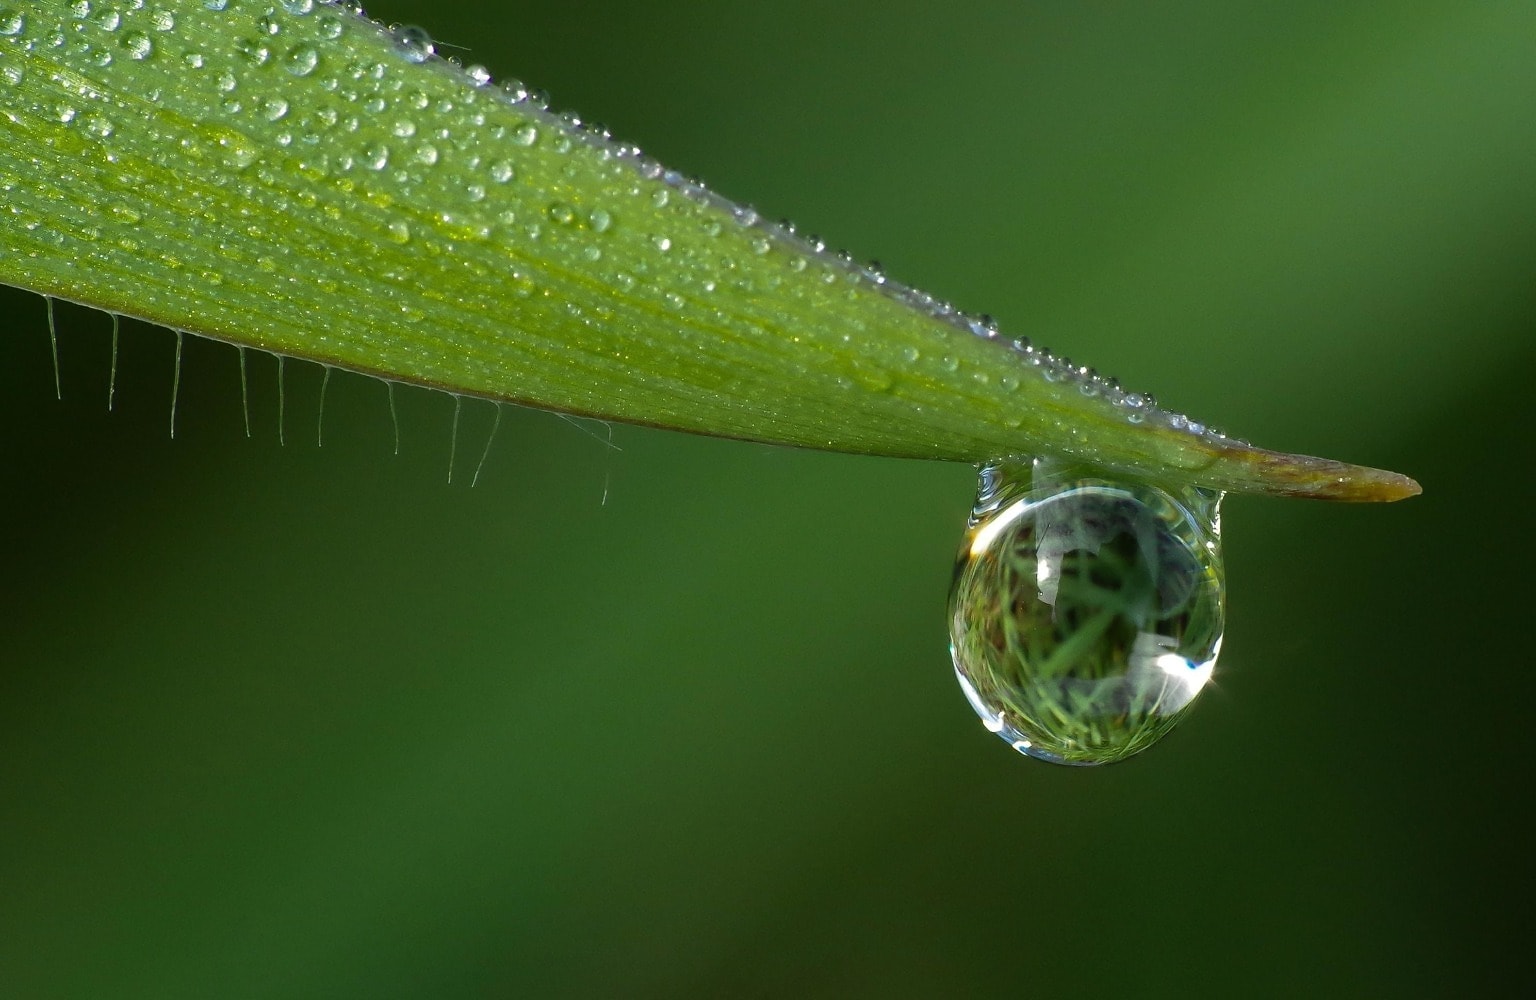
(1086, 613)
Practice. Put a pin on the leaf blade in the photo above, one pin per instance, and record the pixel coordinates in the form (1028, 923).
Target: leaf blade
(301, 183)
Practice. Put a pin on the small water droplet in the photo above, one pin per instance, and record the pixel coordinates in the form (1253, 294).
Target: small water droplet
(98, 126)
(400, 232)
(12, 22)
(138, 45)
(415, 44)
(600, 221)
(238, 151)
(525, 135)
(662, 243)
(1086, 612)
(502, 172)
(375, 157)
(274, 108)
(301, 60)
(562, 214)
(253, 50)
(478, 75)
(514, 90)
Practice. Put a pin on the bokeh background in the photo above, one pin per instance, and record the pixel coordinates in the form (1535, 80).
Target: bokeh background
(677, 718)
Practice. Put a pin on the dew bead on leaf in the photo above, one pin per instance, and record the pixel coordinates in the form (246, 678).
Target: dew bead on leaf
(12, 21)
(415, 44)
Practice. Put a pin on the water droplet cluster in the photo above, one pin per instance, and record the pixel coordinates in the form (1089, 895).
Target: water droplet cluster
(429, 189)
(1086, 613)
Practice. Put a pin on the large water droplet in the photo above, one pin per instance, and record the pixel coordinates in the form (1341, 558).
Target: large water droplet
(1086, 612)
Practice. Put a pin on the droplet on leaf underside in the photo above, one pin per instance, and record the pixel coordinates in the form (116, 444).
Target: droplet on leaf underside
(1087, 612)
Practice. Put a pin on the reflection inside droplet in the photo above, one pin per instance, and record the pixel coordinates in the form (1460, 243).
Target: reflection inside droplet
(1086, 612)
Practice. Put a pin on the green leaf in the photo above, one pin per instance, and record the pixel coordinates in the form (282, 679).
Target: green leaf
(296, 178)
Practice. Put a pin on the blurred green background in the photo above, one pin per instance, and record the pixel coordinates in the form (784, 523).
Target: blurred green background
(309, 722)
